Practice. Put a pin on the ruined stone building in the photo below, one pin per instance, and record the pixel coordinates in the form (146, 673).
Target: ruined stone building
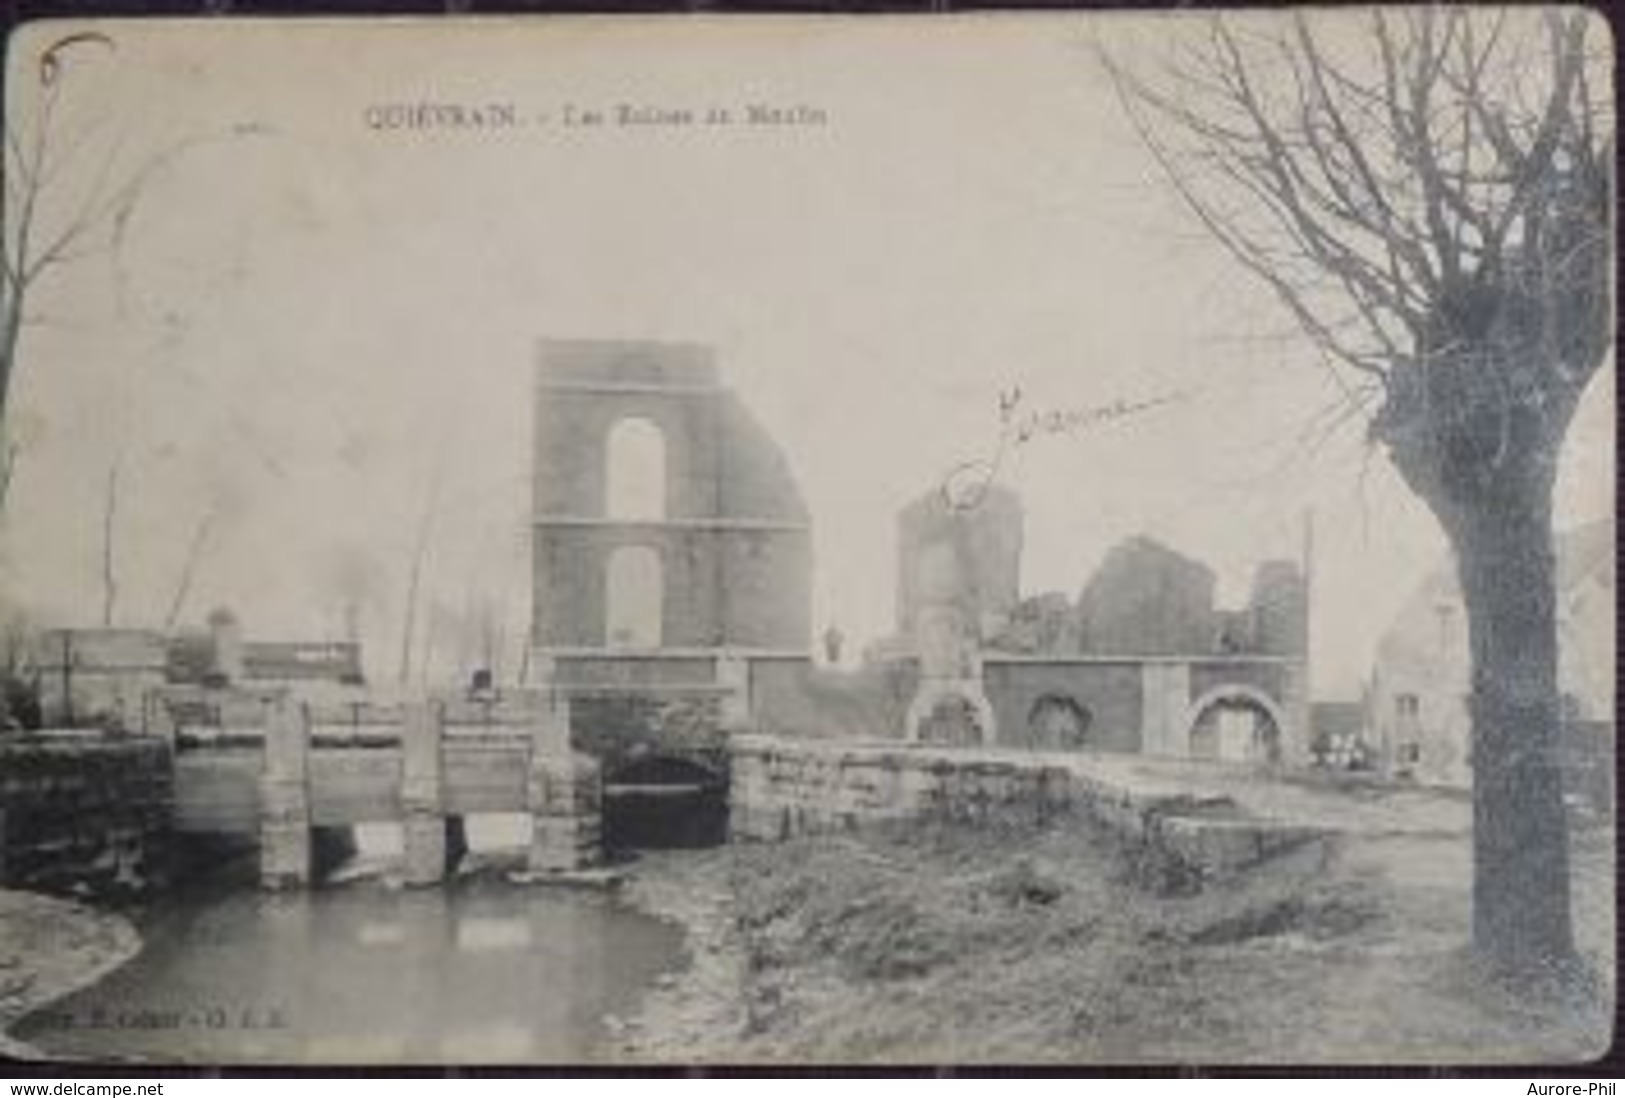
(1142, 661)
(1147, 600)
(672, 562)
(665, 518)
(986, 540)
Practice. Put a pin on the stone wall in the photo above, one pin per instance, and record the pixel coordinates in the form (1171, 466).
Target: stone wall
(763, 577)
(732, 538)
(740, 587)
(1109, 692)
(586, 386)
(1147, 600)
(793, 697)
(985, 542)
(631, 671)
(782, 789)
(616, 730)
(1278, 610)
(1268, 677)
(1147, 706)
(572, 582)
(82, 812)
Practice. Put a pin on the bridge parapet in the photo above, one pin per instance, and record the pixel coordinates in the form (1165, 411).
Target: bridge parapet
(284, 768)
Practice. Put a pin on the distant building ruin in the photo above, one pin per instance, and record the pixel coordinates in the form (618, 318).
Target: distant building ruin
(665, 517)
(981, 543)
(1142, 661)
(672, 569)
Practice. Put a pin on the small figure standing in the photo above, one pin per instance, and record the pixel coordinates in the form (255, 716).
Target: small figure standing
(833, 639)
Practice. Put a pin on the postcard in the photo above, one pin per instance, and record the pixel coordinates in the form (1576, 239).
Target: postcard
(1077, 538)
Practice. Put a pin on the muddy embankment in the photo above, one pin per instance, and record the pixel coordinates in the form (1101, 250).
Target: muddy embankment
(50, 948)
(928, 943)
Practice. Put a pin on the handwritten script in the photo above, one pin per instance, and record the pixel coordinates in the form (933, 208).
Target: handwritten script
(966, 485)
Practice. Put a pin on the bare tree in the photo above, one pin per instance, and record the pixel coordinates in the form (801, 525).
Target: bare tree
(31, 251)
(414, 575)
(1428, 193)
(58, 205)
(109, 553)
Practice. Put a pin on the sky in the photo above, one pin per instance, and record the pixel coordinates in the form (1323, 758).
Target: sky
(320, 327)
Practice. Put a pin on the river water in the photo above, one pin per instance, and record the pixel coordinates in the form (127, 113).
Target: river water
(478, 971)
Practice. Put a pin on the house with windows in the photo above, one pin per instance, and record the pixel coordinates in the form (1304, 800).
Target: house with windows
(1418, 720)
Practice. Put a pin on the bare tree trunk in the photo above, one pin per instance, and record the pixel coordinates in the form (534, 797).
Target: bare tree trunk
(409, 627)
(430, 634)
(109, 522)
(1489, 481)
(8, 470)
(414, 580)
(11, 326)
(1520, 835)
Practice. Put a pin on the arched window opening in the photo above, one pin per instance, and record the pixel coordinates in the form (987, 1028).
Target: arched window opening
(1058, 722)
(635, 470)
(952, 722)
(634, 598)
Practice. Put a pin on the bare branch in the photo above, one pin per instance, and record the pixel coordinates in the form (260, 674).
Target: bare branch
(1239, 247)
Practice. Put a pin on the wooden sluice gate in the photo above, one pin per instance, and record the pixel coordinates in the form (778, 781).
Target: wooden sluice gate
(268, 767)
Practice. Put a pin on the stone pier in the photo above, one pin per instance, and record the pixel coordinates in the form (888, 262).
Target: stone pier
(733, 675)
(565, 795)
(307, 794)
(423, 823)
(285, 834)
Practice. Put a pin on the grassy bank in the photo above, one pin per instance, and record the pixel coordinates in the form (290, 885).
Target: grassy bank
(49, 948)
(948, 944)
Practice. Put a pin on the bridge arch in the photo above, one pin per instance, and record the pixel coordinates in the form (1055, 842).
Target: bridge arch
(657, 800)
(665, 768)
(1236, 723)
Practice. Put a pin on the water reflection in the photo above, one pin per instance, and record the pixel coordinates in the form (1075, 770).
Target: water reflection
(480, 934)
(477, 972)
